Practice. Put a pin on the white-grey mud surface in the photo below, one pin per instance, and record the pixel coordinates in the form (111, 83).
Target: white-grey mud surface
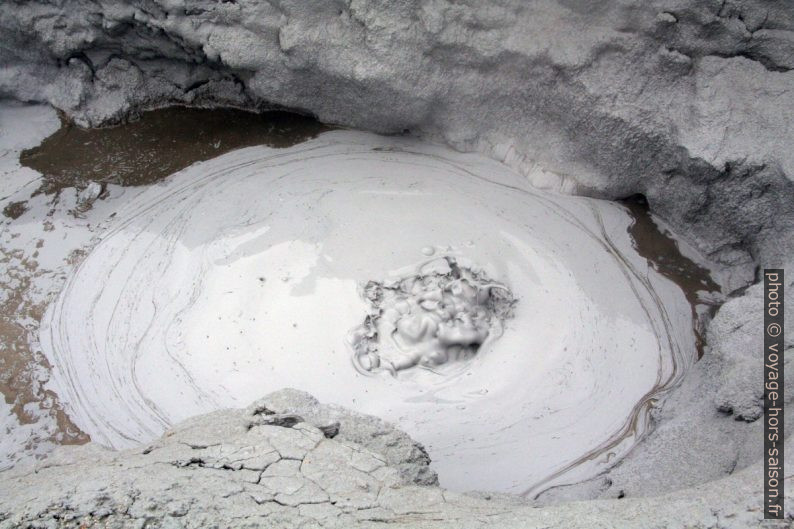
(59, 184)
(622, 437)
(241, 274)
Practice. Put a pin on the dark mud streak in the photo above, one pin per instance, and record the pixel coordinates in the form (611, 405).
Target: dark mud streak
(158, 144)
(663, 254)
(14, 210)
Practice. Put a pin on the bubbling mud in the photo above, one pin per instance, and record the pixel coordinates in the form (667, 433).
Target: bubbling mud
(545, 345)
(440, 315)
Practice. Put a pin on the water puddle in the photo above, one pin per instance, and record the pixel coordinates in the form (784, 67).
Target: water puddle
(158, 144)
(664, 254)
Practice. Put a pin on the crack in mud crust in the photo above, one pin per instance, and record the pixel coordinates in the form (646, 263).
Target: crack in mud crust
(437, 317)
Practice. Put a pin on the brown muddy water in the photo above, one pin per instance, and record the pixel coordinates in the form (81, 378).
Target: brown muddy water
(664, 255)
(164, 141)
(158, 144)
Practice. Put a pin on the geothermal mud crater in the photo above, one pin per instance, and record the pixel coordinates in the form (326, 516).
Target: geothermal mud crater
(529, 339)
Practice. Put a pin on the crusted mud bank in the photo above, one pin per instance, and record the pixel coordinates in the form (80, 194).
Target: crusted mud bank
(288, 461)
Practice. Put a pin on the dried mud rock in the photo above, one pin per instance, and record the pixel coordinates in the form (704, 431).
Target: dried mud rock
(280, 463)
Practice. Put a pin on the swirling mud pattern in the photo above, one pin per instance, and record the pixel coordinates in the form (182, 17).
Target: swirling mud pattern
(527, 340)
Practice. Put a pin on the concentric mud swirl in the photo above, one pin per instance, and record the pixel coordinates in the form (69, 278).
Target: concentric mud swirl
(241, 275)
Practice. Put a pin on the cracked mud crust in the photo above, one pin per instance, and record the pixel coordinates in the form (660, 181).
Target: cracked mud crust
(288, 461)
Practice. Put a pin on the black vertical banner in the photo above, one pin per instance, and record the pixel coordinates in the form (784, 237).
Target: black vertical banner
(773, 394)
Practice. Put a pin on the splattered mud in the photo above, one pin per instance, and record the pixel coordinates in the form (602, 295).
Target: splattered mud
(439, 316)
